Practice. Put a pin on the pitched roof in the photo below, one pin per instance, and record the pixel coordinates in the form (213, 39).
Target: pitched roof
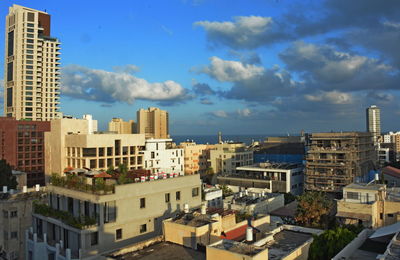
(389, 170)
(102, 175)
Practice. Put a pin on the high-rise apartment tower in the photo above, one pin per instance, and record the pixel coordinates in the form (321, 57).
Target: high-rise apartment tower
(31, 67)
(374, 121)
(153, 122)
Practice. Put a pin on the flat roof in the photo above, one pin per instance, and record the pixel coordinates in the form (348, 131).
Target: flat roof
(193, 220)
(249, 199)
(238, 247)
(365, 186)
(271, 165)
(285, 242)
(165, 251)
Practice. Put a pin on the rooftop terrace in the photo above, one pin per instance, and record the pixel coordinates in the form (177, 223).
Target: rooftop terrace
(271, 165)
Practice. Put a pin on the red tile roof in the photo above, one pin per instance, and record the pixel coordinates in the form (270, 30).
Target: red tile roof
(102, 175)
(236, 234)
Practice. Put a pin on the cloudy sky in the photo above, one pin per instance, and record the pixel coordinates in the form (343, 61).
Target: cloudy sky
(237, 66)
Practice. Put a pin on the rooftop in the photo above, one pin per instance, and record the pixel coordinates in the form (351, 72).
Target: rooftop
(285, 242)
(252, 197)
(365, 186)
(194, 220)
(389, 170)
(271, 165)
(238, 247)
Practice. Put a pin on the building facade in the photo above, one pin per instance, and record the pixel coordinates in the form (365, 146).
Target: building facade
(70, 145)
(225, 157)
(373, 119)
(31, 67)
(335, 160)
(197, 157)
(274, 177)
(153, 122)
(22, 146)
(119, 126)
(15, 218)
(105, 222)
(160, 155)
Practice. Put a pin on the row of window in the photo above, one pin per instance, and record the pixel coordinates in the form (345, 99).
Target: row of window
(11, 214)
(195, 193)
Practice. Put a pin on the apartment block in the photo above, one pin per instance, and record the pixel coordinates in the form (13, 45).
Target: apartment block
(373, 120)
(274, 177)
(161, 155)
(119, 126)
(31, 66)
(69, 145)
(197, 157)
(15, 218)
(87, 223)
(372, 205)
(225, 157)
(22, 146)
(153, 122)
(335, 160)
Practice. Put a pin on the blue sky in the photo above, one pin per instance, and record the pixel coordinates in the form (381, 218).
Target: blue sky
(240, 67)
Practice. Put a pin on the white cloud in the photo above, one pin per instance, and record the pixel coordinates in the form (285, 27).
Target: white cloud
(105, 86)
(227, 70)
(331, 97)
(244, 112)
(220, 113)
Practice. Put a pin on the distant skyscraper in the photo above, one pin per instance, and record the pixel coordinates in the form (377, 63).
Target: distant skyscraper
(31, 71)
(120, 126)
(153, 122)
(374, 121)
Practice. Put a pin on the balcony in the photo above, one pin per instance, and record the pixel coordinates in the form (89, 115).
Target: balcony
(66, 217)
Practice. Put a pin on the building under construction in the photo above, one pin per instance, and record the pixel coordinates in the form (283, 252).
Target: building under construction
(335, 160)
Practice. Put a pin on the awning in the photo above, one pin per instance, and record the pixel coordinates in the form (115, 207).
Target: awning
(388, 230)
(363, 217)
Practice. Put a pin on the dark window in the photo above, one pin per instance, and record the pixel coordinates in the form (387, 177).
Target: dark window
(14, 214)
(142, 203)
(31, 17)
(10, 51)
(118, 234)
(10, 71)
(353, 195)
(110, 212)
(152, 155)
(195, 192)
(89, 152)
(143, 228)
(70, 205)
(178, 195)
(390, 215)
(9, 97)
(94, 238)
(167, 197)
(14, 234)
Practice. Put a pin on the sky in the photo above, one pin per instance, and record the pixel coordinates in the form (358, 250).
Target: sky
(236, 66)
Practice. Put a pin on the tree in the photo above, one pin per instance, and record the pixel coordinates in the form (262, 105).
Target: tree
(289, 197)
(208, 175)
(6, 176)
(226, 191)
(122, 168)
(329, 243)
(312, 208)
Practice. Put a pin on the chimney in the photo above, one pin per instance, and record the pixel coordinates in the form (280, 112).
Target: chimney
(376, 177)
(249, 234)
(203, 209)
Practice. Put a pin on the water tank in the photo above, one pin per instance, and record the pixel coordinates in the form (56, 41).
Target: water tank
(249, 234)
(186, 208)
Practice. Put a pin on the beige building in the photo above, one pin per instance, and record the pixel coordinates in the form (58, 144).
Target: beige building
(119, 126)
(68, 144)
(335, 160)
(31, 67)
(225, 157)
(15, 218)
(85, 225)
(197, 157)
(372, 205)
(153, 122)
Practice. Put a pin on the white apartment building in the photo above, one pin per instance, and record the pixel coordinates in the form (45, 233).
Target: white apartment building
(31, 66)
(160, 155)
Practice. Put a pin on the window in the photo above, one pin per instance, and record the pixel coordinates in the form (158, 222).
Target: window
(143, 228)
(118, 234)
(167, 197)
(390, 215)
(142, 203)
(14, 234)
(178, 195)
(353, 195)
(195, 192)
(94, 238)
(14, 214)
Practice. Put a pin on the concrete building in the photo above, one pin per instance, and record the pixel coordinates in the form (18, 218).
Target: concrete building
(119, 126)
(160, 155)
(254, 201)
(274, 177)
(335, 160)
(81, 223)
(197, 157)
(153, 122)
(213, 197)
(69, 144)
(372, 205)
(373, 120)
(284, 243)
(15, 218)
(391, 176)
(31, 66)
(225, 157)
(22, 146)
(285, 149)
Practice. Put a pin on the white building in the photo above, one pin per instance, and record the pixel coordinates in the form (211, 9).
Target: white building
(213, 197)
(161, 156)
(225, 157)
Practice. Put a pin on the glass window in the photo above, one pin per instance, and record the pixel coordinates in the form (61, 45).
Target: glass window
(167, 197)
(94, 238)
(178, 195)
(118, 233)
(143, 228)
(142, 203)
(195, 192)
